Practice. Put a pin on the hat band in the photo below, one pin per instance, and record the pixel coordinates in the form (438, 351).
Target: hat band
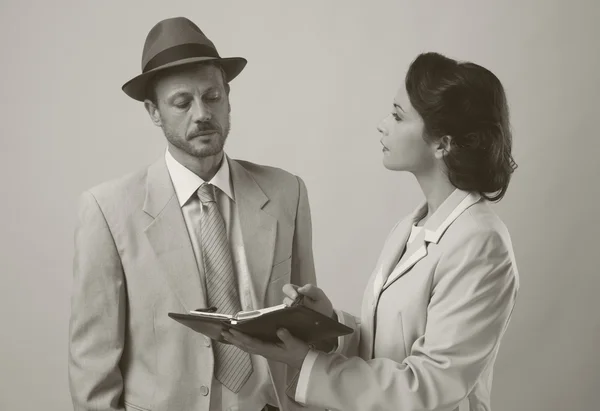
(180, 52)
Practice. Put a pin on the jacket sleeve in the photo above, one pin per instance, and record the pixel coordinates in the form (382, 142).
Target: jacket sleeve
(303, 265)
(471, 303)
(97, 322)
(348, 345)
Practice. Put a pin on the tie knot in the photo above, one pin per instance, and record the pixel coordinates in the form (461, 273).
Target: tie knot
(206, 193)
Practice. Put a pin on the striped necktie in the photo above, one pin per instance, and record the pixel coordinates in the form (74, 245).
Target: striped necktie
(233, 366)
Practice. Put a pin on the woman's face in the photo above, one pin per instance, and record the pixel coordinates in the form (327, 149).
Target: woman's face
(404, 148)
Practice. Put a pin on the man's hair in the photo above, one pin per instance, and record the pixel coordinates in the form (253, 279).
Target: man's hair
(151, 86)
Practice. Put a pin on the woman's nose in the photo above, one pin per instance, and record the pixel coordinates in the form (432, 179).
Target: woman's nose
(381, 127)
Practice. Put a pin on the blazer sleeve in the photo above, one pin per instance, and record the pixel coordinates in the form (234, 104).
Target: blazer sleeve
(348, 345)
(303, 265)
(97, 322)
(472, 300)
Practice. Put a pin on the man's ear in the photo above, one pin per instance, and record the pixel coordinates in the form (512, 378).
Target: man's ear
(152, 110)
(444, 145)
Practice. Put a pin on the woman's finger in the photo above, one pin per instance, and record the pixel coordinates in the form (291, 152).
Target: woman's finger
(288, 301)
(291, 291)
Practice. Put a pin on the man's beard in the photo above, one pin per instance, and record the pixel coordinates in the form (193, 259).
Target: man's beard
(214, 148)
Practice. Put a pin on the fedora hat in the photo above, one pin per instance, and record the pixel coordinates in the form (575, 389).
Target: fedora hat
(175, 42)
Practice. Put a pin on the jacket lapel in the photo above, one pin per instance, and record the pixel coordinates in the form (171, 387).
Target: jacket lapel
(433, 230)
(169, 238)
(394, 248)
(259, 229)
(415, 252)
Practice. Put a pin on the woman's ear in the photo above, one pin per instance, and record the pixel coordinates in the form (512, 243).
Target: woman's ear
(444, 145)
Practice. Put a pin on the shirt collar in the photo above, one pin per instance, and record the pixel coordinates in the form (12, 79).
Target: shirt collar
(186, 182)
(453, 206)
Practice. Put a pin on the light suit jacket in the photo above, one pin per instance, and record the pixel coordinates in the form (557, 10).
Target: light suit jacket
(134, 263)
(432, 318)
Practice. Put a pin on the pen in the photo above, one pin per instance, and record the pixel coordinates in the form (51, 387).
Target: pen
(298, 300)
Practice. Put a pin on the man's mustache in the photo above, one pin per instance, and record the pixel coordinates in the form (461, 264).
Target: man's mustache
(205, 128)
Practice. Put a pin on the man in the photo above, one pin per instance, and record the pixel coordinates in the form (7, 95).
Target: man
(193, 230)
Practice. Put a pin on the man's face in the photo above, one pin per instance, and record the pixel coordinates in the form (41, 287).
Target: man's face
(192, 108)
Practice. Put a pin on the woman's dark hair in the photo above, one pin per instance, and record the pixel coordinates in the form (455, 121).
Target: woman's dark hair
(466, 102)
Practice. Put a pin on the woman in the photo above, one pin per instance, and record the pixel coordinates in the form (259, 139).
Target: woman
(442, 293)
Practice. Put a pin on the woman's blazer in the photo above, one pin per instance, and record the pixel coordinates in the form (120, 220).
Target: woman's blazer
(433, 316)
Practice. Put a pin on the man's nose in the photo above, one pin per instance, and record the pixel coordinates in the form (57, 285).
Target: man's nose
(200, 112)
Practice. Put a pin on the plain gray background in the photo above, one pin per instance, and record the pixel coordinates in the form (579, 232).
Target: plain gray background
(321, 74)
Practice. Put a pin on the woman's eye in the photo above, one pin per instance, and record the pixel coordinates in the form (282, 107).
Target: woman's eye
(396, 117)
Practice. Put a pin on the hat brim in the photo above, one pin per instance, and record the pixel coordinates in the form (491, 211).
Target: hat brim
(136, 87)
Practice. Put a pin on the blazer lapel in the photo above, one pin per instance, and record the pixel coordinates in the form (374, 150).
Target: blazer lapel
(259, 229)
(169, 238)
(415, 252)
(432, 231)
(394, 248)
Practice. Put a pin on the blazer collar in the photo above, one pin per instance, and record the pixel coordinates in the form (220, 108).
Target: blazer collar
(456, 203)
(245, 186)
(159, 188)
(397, 259)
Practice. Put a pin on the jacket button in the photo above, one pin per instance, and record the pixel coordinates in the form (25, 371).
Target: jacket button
(204, 390)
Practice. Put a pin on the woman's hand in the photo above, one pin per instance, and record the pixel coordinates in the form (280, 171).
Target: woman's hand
(291, 350)
(314, 298)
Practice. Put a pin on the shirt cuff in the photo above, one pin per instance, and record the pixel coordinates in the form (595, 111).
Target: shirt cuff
(302, 386)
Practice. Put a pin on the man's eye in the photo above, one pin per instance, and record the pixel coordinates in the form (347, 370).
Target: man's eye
(182, 104)
(213, 97)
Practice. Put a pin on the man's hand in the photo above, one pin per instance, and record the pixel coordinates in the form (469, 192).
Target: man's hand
(314, 298)
(290, 350)
(211, 330)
